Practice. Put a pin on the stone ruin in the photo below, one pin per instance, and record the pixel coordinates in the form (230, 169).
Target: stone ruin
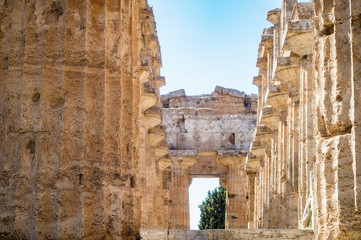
(209, 136)
(90, 150)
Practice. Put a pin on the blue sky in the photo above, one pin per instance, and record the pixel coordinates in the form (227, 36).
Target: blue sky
(205, 43)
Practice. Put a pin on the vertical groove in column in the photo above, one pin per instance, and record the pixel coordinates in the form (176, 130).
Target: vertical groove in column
(51, 104)
(71, 172)
(92, 179)
(26, 195)
(136, 91)
(113, 194)
(179, 199)
(7, 162)
(356, 81)
(144, 178)
(126, 133)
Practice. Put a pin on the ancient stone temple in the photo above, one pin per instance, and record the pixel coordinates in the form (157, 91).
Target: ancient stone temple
(209, 136)
(90, 150)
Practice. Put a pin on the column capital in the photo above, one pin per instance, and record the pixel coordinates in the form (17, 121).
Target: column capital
(232, 158)
(183, 159)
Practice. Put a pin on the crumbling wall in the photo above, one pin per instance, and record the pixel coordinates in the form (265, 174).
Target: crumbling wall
(222, 101)
(74, 94)
(209, 136)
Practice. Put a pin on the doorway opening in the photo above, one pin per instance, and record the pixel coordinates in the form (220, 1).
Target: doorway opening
(198, 191)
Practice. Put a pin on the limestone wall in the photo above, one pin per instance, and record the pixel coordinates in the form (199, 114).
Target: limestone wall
(223, 120)
(303, 162)
(209, 136)
(78, 82)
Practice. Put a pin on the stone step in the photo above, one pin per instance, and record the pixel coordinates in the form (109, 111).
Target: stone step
(234, 234)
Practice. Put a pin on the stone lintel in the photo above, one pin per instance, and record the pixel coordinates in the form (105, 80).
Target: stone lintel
(274, 16)
(298, 37)
(231, 158)
(207, 153)
(183, 158)
(232, 153)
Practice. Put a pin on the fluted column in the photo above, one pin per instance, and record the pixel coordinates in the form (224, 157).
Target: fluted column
(251, 197)
(179, 197)
(236, 185)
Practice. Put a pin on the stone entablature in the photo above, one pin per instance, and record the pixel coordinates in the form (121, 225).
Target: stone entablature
(209, 136)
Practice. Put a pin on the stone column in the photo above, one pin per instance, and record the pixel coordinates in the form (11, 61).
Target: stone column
(179, 197)
(236, 185)
(251, 197)
(336, 200)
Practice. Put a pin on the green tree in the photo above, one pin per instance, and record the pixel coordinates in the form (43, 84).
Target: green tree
(213, 210)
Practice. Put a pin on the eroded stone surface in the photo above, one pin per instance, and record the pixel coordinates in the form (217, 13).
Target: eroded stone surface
(76, 80)
(303, 166)
(209, 136)
(262, 234)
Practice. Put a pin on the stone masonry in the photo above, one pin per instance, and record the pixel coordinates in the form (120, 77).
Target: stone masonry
(90, 150)
(209, 136)
(79, 102)
(304, 166)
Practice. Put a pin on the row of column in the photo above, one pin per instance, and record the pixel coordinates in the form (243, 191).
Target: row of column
(277, 152)
(303, 166)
